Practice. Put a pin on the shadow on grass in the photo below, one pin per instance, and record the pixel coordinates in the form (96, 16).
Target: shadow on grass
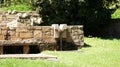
(86, 45)
(110, 38)
(66, 46)
(105, 37)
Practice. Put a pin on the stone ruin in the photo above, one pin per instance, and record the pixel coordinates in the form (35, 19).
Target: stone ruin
(18, 34)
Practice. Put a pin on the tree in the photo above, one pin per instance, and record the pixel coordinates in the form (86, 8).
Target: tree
(93, 14)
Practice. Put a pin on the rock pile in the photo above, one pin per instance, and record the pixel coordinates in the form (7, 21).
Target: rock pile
(16, 19)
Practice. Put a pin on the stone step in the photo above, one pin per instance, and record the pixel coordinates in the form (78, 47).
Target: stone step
(29, 56)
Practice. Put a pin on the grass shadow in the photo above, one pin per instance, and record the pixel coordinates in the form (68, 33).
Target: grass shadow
(86, 45)
(66, 46)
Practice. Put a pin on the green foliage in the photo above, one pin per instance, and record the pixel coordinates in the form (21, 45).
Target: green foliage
(9, 3)
(116, 14)
(59, 11)
(93, 14)
(20, 7)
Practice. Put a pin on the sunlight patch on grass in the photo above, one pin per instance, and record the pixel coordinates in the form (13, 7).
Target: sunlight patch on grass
(20, 7)
(116, 14)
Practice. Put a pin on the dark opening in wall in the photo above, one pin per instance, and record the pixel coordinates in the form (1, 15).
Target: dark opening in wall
(13, 49)
(34, 49)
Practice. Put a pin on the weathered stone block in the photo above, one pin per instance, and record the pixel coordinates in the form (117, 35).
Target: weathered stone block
(55, 27)
(80, 27)
(64, 34)
(1, 37)
(46, 28)
(17, 34)
(74, 33)
(69, 30)
(4, 32)
(12, 33)
(26, 49)
(15, 38)
(82, 43)
(1, 49)
(63, 30)
(81, 37)
(21, 30)
(76, 40)
(37, 33)
(0, 31)
(4, 28)
(47, 31)
(37, 27)
(26, 35)
(52, 32)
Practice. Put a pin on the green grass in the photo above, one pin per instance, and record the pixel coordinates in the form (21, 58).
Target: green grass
(20, 7)
(101, 53)
(116, 14)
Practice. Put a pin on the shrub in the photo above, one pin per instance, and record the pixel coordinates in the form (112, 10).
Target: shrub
(93, 14)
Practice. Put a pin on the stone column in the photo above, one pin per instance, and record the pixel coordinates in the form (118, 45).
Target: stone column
(1, 49)
(63, 30)
(56, 30)
(26, 49)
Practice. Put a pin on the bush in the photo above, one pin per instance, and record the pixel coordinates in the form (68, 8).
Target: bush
(93, 14)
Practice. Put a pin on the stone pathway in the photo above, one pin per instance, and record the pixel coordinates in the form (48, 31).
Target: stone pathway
(29, 56)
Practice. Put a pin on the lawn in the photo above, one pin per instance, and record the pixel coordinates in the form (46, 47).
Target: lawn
(20, 7)
(97, 53)
(116, 14)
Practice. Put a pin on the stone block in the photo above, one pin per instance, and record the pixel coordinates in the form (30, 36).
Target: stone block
(80, 27)
(4, 28)
(69, 29)
(52, 32)
(74, 33)
(23, 29)
(46, 28)
(4, 32)
(17, 34)
(76, 40)
(1, 49)
(81, 37)
(0, 31)
(55, 27)
(80, 31)
(15, 38)
(37, 27)
(12, 33)
(63, 30)
(13, 29)
(82, 43)
(26, 49)
(26, 35)
(37, 33)
(1, 37)
(47, 31)
(64, 34)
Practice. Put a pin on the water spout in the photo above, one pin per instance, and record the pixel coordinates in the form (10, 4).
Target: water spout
(61, 41)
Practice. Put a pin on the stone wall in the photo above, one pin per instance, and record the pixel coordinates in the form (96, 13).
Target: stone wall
(22, 17)
(74, 34)
(52, 37)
